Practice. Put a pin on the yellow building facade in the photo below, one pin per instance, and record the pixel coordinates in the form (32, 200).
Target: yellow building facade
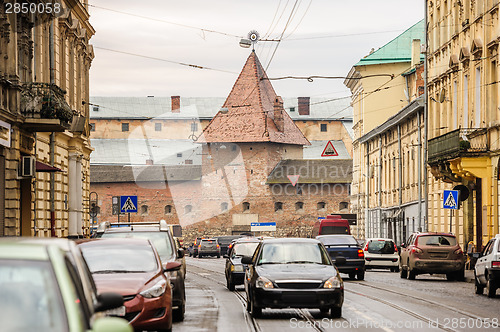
(45, 147)
(464, 119)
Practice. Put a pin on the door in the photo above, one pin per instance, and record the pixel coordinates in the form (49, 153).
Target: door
(26, 207)
(482, 261)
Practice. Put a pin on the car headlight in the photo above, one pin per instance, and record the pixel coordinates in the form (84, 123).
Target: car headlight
(156, 291)
(333, 282)
(237, 268)
(263, 282)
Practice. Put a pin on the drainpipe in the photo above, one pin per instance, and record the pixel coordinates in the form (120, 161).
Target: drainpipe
(400, 167)
(367, 194)
(52, 138)
(380, 183)
(426, 119)
(419, 163)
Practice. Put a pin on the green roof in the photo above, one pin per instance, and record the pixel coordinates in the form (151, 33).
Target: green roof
(398, 49)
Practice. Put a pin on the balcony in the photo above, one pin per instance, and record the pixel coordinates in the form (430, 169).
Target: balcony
(44, 108)
(463, 142)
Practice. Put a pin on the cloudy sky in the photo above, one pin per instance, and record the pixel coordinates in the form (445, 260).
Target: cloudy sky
(144, 48)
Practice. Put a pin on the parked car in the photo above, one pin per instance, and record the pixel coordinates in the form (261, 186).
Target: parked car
(292, 273)
(182, 260)
(225, 241)
(41, 290)
(159, 234)
(346, 253)
(193, 247)
(133, 268)
(235, 270)
(381, 253)
(487, 269)
(208, 247)
(433, 253)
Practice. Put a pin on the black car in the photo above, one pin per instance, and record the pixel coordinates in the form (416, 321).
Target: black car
(225, 241)
(292, 273)
(346, 253)
(235, 270)
(159, 234)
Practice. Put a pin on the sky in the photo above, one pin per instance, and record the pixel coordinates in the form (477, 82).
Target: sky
(145, 48)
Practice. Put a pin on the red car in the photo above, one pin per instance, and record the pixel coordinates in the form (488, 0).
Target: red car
(132, 268)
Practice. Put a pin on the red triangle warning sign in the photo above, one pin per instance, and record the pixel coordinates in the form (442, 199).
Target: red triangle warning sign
(329, 150)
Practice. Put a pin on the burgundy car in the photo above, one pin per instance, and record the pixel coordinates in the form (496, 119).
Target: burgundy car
(132, 268)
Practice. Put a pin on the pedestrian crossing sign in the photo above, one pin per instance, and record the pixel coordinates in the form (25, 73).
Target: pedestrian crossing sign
(450, 199)
(128, 204)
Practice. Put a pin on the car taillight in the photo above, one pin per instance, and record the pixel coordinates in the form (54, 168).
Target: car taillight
(366, 247)
(416, 250)
(199, 246)
(458, 251)
(495, 264)
(395, 248)
(361, 254)
(218, 247)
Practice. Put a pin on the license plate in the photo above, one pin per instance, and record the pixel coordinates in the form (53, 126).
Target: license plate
(120, 311)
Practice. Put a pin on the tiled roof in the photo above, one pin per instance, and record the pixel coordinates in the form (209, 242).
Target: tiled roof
(250, 113)
(312, 171)
(398, 49)
(137, 151)
(154, 173)
(206, 108)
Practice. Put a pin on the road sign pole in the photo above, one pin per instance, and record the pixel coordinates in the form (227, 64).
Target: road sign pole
(129, 217)
(451, 219)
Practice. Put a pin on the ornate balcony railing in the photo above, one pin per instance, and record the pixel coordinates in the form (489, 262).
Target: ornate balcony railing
(459, 142)
(45, 101)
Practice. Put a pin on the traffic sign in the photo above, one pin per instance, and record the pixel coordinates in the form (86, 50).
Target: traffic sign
(263, 227)
(450, 199)
(329, 150)
(128, 204)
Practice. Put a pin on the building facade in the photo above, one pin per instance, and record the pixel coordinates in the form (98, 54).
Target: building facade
(380, 89)
(464, 135)
(45, 147)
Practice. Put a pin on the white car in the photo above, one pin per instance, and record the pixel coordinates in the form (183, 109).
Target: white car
(487, 269)
(381, 253)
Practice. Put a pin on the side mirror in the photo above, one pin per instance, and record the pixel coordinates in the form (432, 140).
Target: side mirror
(340, 261)
(172, 266)
(180, 253)
(114, 324)
(246, 260)
(106, 301)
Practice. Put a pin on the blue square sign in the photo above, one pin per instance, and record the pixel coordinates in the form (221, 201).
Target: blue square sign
(128, 204)
(450, 199)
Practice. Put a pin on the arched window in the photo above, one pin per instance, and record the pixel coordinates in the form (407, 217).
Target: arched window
(188, 208)
(278, 207)
(299, 206)
(321, 205)
(246, 206)
(223, 206)
(343, 205)
(144, 209)
(168, 209)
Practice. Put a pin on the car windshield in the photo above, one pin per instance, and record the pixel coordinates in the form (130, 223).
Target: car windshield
(337, 240)
(208, 242)
(160, 241)
(437, 240)
(292, 253)
(30, 299)
(334, 230)
(119, 258)
(381, 247)
(244, 249)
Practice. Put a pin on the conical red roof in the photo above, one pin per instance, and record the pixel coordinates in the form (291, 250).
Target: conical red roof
(250, 116)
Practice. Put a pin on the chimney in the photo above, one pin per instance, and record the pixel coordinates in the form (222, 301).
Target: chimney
(176, 104)
(415, 52)
(278, 114)
(149, 162)
(304, 105)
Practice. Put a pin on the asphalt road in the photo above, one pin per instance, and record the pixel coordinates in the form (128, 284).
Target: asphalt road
(382, 302)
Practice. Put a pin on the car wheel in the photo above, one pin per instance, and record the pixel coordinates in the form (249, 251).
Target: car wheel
(200, 255)
(218, 256)
(249, 306)
(450, 276)
(490, 288)
(178, 314)
(411, 275)
(460, 275)
(336, 312)
(352, 275)
(396, 269)
(360, 275)
(255, 311)
(230, 285)
(478, 287)
(403, 273)
(324, 310)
